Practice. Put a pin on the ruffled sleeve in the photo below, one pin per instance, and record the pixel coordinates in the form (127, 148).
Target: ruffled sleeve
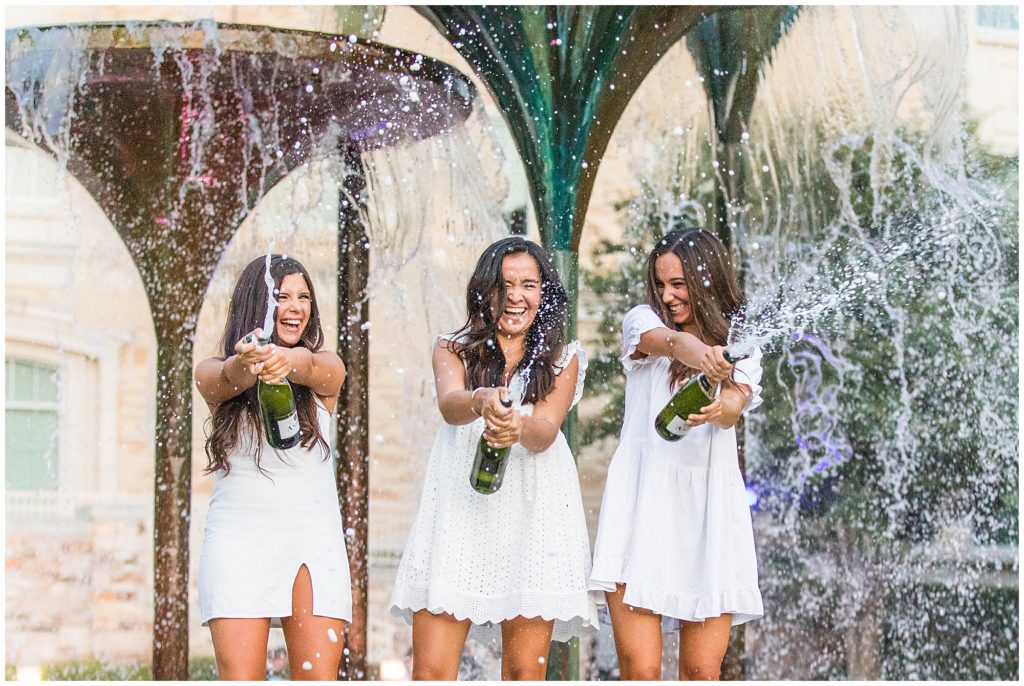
(638, 321)
(748, 372)
(574, 348)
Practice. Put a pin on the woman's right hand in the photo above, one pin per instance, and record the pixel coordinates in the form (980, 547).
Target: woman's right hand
(250, 354)
(714, 365)
(504, 425)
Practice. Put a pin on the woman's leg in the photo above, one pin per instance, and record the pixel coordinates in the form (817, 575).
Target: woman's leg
(437, 642)
(702, 646)
(314, 643)
(240, 646)
(637, 638)
(524, 648)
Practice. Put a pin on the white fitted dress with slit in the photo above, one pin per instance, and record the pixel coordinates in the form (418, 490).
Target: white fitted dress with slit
(262, 527)
(522, 551)
(675, 526)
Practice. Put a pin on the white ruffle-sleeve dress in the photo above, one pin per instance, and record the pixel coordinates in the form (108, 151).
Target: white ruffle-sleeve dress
(522, 551)
(262, 527)
(675, 526)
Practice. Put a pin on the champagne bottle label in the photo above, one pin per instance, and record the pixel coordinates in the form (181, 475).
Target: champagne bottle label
(289, 426)
(677, 426)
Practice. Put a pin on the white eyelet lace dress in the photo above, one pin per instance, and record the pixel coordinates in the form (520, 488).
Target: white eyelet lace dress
(675, 525)
(261, 528)
(522, 551)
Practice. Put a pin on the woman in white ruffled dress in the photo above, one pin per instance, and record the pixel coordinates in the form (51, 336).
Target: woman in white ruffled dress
(515, 561)
(675, 545)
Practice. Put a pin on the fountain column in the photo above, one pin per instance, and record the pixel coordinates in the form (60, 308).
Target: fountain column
(354, 401)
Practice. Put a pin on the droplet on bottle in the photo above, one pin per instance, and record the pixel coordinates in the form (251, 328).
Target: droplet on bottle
(307, 665)
(333, 635)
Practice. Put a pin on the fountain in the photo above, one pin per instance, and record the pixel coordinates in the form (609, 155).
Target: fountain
(809, 179)
(177, 130)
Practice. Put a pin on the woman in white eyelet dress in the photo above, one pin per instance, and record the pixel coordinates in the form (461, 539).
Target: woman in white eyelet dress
(481, 565)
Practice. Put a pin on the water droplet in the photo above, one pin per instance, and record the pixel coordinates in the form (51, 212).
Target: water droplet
(333, 635)
(307, 665)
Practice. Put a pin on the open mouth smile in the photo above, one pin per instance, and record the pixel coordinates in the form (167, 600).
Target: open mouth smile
(291, 325)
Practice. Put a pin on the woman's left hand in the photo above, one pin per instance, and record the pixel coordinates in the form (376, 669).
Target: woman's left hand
(710, 413)
(501, 433)
(276, 367)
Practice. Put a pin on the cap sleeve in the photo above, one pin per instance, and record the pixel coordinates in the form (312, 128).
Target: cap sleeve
(446, 337)
(638, 321)
(748, 372)
(574, 348)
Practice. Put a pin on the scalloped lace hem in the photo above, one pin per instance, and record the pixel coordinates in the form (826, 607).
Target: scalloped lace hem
(574, 614)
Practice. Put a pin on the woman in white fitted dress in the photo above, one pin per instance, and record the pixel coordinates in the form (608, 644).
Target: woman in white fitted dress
(273, 550)
(675, 545)
(516, 560)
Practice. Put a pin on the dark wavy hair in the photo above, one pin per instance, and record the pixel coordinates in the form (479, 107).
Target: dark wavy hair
(242, 413)
(477, 344)
(715, 297)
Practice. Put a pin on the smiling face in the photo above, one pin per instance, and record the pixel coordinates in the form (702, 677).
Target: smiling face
(294, 304)
(522, 293)
(670, 284)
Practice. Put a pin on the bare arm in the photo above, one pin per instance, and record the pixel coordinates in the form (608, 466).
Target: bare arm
(457, 405)
(220, 379)
(686, 348)
(676, 345)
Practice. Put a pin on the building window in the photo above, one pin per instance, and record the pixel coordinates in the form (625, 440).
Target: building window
(33, 418)
(998, 16)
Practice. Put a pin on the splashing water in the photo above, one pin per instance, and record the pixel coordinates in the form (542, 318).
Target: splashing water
(877, 243)
(268, 320)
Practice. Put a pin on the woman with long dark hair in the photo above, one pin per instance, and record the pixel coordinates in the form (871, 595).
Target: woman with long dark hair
(517, 559)
(675, 545)
(274, 549)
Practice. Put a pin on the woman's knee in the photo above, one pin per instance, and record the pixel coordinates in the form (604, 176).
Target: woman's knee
(700, 672)
(433, 670)
(639, 670)
(240, 670)
(526, 672)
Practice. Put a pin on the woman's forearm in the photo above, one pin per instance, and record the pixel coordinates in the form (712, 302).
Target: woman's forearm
(462, 407)
(322, 372)
(538, 434)
(733, 401)
(677, 345)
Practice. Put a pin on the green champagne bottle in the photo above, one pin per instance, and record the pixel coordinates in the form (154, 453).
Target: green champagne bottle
(694, 394)
(277, 405)
(489, 463)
